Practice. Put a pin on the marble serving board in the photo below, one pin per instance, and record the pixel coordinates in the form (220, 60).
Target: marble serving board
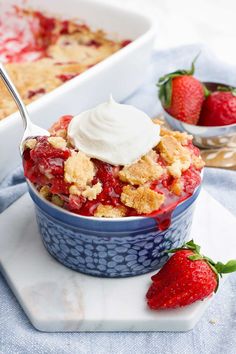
(58, 299)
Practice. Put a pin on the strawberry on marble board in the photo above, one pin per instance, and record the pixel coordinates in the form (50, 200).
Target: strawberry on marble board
(185, 278)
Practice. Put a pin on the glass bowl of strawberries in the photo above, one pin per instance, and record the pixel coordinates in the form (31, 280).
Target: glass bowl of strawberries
(121, 220)
(206, 110)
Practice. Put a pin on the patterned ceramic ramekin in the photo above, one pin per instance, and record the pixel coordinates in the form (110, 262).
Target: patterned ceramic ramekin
(120, 247)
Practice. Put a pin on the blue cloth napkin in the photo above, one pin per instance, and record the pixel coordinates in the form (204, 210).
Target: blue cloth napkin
(216, 331)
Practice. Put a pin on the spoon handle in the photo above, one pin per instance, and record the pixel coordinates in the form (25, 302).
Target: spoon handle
(14, 93)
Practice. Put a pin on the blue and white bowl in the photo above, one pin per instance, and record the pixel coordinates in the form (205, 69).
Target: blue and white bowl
(103, 247)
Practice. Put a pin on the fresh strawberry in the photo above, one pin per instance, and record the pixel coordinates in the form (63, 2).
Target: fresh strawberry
(219, 108)
(182, 95)
(185, 278)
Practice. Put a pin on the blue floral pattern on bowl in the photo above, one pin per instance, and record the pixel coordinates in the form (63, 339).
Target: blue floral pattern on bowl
(111, 256)
(110, 248)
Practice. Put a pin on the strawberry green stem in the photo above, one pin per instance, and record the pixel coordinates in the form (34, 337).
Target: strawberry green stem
(206, 91)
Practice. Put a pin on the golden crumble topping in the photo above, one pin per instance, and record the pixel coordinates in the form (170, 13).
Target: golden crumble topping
(170, 149)
(75, 190)
(198, 162)
(145, 170)
(62, 133)
(177, 156)
(31, 85)
(30, 143)
(79, 169)
(57, 142)
(88, 192)
(177, 186)
(91, 192)
(158, 121)
(108, 211)
(175, 169)
(77, 48)
(182, 137)
(143, 199)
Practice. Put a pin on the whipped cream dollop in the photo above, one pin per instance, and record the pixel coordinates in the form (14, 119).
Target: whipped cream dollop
(116, 133)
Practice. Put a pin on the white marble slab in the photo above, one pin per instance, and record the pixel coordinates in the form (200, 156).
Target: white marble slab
(58, 299)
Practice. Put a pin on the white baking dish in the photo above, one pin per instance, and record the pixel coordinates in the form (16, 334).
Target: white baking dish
(120, 74)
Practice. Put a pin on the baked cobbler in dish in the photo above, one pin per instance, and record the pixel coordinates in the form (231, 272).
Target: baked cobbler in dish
(74, 178)
(42, 52)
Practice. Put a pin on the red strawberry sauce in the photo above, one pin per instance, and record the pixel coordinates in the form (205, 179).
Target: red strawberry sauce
(66, 77)
(32, 93)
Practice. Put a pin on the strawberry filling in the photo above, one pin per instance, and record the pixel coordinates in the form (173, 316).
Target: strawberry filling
(61, 124)
(44, 165)
(106, 174)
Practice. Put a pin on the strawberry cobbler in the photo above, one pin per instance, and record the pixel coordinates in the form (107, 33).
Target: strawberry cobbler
(153, 184)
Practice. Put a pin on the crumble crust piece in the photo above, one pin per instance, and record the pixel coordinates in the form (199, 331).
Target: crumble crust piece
(75, 190)
(33, 79)
(171, 150)
(143, 199)
(30, 144)
(77, 47)
(90, 193)
(79, 169)
(108, 211)
(197, 162)
(145, 170)
(175, 169)
(158, 121)
(176, 187)
(183, 137)
(177, 156)
(57, 142)
(62, 133)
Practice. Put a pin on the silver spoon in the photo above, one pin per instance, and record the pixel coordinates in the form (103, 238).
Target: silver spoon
(31, 130)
